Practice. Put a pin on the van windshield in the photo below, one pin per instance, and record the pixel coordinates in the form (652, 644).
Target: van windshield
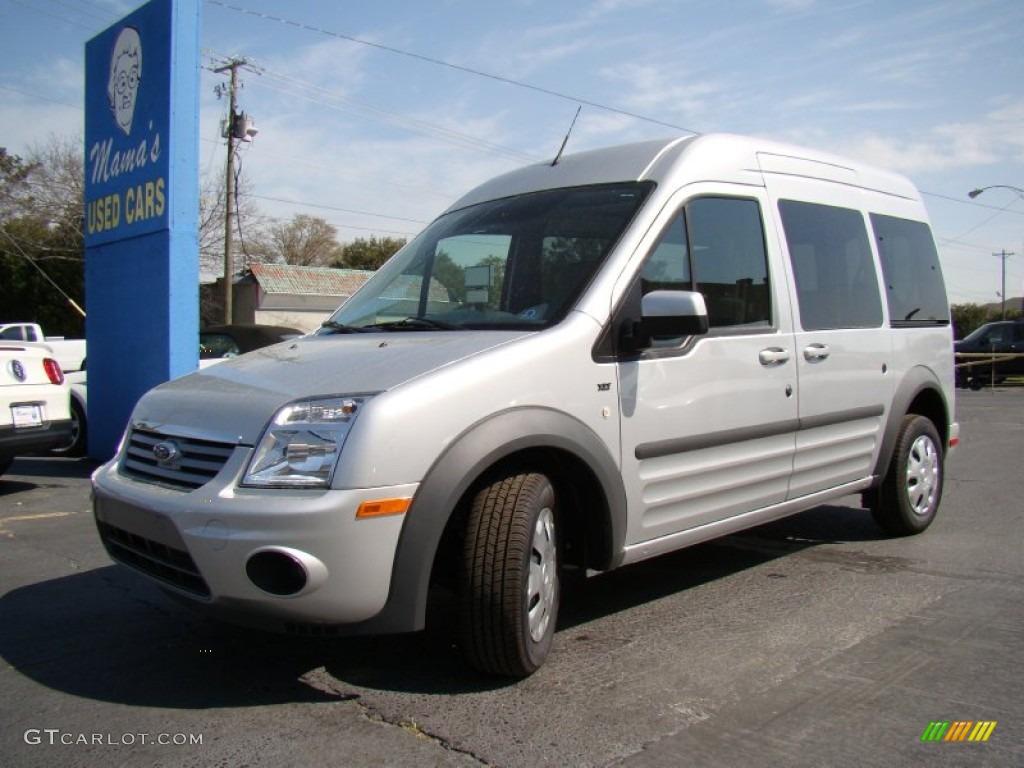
(514, 263)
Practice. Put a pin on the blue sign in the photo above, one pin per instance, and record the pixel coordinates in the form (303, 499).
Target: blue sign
(126, 127)
(141, 210)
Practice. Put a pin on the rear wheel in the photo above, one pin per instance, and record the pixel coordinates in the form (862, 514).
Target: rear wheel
(510, 587)
(909, 496)
(79, 435)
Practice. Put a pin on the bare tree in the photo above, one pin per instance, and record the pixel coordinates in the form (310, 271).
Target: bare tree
(57, 183)
(306, 241)
(248, 223)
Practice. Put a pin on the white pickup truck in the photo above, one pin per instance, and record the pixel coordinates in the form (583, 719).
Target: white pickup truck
(70, 353)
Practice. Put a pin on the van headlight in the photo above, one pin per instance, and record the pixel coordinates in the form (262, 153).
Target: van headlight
(301, 445)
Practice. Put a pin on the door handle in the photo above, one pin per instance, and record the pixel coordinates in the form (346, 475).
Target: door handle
(773, 356)
(816, 352)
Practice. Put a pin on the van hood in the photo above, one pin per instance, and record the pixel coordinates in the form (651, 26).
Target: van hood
(233, 400)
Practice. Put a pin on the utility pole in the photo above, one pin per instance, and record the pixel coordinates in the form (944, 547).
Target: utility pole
(1004, 256)
(231, 132)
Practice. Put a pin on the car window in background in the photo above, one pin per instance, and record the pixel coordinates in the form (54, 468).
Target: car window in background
(214, 345)
(220, 341)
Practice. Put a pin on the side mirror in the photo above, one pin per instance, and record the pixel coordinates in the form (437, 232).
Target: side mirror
(671, 314)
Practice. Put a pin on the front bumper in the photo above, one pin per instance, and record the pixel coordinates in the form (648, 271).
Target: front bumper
(200, 545)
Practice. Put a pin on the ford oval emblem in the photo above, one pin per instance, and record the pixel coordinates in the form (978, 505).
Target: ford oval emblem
(17, 370)
(166, 451)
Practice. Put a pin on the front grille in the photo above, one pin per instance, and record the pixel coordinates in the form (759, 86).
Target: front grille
(167, 564)
(198, 461)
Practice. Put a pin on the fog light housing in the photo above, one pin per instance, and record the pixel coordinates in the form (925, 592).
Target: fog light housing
(277, 573)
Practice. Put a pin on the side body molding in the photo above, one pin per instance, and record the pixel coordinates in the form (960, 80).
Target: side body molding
(481, 446)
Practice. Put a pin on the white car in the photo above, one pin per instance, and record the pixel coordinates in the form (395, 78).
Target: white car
(216, 344)
(34, 401)
(78, 439)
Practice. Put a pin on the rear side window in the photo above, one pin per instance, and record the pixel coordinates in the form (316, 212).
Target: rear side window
(836, 282)
(910, 265)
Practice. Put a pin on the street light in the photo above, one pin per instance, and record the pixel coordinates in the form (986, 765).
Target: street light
(1003, 255)
(975, 192)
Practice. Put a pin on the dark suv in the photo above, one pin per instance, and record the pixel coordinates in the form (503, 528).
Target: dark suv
(999, 338)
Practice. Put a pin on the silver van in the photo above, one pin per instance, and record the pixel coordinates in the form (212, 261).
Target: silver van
(578, 365)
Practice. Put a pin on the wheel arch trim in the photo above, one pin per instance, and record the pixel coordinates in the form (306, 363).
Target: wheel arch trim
(469, 456)
(916, 382)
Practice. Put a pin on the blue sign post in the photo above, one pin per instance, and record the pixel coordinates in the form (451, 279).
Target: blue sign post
(141, 210)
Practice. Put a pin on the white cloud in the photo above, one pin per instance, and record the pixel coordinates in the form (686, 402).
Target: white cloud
(997, 138)
(652, 89)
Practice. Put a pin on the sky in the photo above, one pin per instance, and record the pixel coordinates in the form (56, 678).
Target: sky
(377, 115)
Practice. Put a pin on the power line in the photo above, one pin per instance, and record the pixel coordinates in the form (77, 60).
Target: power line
(339, 225)
(395, 118)
(41, 271)
(1001, 209)
(105, 19)
(54, 15)
(41, 98)
(449, 65)
(333, 208)
(316, 94)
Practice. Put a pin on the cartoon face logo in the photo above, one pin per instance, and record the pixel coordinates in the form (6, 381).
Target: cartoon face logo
(125, 74)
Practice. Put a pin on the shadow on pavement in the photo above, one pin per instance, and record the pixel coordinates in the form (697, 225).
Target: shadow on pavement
(39, 466)
(109, 635)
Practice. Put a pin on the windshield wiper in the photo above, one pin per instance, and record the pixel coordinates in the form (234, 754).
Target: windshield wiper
(417, 324)
(337, 327)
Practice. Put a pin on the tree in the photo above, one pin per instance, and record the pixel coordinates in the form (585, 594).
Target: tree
(41, 245)
(368, 254)
(967, 317)
(248, 220)
(305, 241)
(14, 172)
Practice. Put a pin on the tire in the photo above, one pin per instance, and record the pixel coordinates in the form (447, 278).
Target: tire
(79, 434)
(5, 464)
(909, 496)
(510, 582)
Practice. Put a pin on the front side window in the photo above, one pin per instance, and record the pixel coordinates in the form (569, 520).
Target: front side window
(715, 245)
(519, 262)
(836, 282)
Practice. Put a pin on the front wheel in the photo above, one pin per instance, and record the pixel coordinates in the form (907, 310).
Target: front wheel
(510, 587)
(909, 496)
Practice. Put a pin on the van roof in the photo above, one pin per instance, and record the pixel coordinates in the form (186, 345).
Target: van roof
(706, 157)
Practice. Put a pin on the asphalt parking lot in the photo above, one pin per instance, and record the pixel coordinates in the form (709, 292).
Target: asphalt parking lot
(812, 641)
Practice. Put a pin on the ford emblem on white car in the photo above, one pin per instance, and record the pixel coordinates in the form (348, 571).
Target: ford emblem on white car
(166, 451)
(17, 370)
